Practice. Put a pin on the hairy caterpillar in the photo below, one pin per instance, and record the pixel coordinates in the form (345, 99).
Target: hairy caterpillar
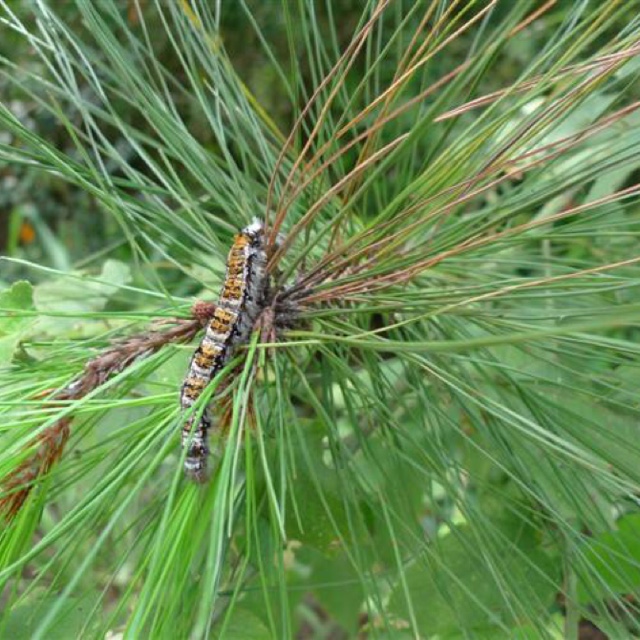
(241, 300)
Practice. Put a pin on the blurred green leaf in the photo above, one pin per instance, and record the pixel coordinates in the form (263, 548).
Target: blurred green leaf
(320, 505)
(14, 325)
(72, 619)
(333, 581)
(615, 559)
(244, 625)
(76, 294)
(19, 297)
(453, 587)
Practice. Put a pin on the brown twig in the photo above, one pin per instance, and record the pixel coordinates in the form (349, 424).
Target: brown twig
(48, 445)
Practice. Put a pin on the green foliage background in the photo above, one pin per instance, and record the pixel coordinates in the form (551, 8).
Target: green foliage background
(451, 455)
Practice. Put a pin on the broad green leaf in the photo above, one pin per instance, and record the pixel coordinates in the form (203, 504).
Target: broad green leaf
(613, 559)
(13, 324)
(317, 502)
(244, 625)
(71, 621)
(70, 296)
(453, 588)
(19, 297)
(333, 581)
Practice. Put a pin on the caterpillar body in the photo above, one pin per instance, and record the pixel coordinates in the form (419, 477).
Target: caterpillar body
(241, 300)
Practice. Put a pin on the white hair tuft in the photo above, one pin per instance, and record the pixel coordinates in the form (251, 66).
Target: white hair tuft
(254, 228)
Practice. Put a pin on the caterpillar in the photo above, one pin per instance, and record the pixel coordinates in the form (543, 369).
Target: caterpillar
(242, 298)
